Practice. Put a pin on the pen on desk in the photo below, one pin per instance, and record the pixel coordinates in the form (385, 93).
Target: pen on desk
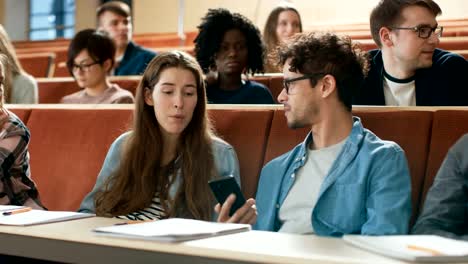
(425, 249)
(18, 211)
(131, 222)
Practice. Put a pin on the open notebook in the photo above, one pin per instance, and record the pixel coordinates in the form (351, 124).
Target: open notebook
(35, 217)
(418, 248)
(172, 230)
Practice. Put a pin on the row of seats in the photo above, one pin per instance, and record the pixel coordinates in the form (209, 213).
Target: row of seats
(452, 28)
(51, 90)
(69, 143)
(49, 61)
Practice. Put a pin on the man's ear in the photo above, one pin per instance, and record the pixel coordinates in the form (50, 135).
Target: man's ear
(385, 37)
(149, 96)
(328, 85)
(107, 65)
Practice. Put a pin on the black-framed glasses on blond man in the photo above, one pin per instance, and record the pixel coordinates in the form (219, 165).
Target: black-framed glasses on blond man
(287, 82)
(424, 32)
(84, 67)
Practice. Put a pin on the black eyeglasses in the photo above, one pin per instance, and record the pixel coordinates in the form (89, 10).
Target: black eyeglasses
(286, 82)
(84, 67)
(424, 32)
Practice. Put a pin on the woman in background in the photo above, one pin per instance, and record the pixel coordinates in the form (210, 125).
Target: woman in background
(282, 23)
(228, 46)
(161, 169)
(19, 87)
(90, 59)
(16, 186)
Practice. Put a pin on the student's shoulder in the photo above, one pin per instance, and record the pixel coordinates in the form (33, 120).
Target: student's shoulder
(120, 92)
(74, 98)
(261, 94)
(24, 78)
(255, 85)
(142, 50)
(443, 58)
(380, 146)
(460, 146)
(123, 137)
(220, 145)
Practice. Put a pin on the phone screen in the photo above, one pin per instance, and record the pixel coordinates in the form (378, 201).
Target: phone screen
(223, 187)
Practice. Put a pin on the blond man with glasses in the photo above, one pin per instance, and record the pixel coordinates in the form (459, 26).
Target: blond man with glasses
(409, 69)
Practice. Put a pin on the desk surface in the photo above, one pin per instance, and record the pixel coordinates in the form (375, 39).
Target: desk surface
(73, 241)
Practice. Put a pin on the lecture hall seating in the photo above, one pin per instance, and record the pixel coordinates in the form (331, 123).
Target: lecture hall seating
(258, 133)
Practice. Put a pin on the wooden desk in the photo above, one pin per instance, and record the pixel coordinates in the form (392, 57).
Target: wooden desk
(73, 241)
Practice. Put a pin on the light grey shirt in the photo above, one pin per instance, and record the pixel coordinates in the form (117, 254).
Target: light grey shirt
(24, 90)
(295, 213)
(112, 95)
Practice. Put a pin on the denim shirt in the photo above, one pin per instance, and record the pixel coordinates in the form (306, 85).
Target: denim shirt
(367, 190)
(224, 156)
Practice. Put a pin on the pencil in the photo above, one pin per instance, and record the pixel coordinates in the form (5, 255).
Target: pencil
(425, 249)
(18, 211)
(131, 222)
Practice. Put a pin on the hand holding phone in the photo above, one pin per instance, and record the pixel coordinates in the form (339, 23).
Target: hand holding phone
(223, 187)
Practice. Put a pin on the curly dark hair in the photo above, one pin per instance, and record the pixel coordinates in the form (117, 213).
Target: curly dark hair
(327, 53)
(212, 29)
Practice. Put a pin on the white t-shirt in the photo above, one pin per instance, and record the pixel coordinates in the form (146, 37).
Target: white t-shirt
(296, 212)
(399, 92)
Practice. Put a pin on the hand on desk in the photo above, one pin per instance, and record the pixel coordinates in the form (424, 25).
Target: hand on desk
(247, 214)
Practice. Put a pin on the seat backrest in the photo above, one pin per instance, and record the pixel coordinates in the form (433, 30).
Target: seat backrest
(51, 90)
(281, 138)
(22, 113)
(61, 69)
(68, 147)
(447, 128)
(38, 64)
(247, 131)
(276, 86)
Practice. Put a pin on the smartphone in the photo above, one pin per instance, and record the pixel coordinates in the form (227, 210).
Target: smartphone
(223, 187)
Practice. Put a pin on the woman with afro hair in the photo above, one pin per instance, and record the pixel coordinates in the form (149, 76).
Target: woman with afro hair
(227, 46)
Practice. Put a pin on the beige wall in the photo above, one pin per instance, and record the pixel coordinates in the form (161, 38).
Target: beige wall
(85, 14)
(2, 14)
(161, 15)
(15, 18)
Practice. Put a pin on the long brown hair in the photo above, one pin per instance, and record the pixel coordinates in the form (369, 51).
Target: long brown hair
(139, 177)
(269, 32)
(3, 66)
(13, 67)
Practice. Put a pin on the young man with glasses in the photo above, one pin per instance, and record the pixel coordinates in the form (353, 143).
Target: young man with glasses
(114, 17)
(342, 179)
(90, 59)
(408, 69)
